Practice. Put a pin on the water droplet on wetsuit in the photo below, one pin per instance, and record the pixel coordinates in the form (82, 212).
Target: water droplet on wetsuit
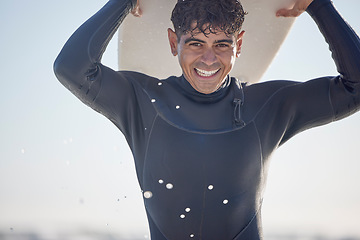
(148, 194)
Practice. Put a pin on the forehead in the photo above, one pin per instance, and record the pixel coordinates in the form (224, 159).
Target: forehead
(205, 30)
(207, 35)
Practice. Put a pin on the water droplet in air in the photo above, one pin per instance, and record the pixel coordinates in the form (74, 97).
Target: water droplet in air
(161, 181)
(225, 201)
(177, 107)
(169, 186)
(210, 187)
(182, 216)
(148, 194)
(192, 235)
(187, 209)
(153, 100)
(160, 83)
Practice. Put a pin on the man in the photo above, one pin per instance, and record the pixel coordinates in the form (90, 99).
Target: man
(201, 142)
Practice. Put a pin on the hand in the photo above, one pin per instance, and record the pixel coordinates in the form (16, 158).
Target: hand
(297, 8)
(137, 12)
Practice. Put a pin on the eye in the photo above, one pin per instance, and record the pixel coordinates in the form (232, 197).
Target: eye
(195, 44)
(222, 45)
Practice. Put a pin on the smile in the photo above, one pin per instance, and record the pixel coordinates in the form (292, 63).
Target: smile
(204, 73)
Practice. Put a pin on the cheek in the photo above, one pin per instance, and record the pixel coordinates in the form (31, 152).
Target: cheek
(228, 58)
(186, 60)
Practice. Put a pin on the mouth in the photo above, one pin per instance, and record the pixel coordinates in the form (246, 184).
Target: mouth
(204, 73)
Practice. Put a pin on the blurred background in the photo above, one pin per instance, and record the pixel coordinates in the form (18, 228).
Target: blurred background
(66, 172)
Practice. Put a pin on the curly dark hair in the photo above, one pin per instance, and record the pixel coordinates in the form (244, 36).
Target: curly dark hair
(209, 16)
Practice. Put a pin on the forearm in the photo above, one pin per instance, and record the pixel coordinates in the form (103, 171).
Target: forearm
(343, 41)
(78, 65)
(345, 47)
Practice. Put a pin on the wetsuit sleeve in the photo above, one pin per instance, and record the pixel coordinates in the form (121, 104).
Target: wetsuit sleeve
(344, 44)
(327, 99)
(300, 106)
(78, 66)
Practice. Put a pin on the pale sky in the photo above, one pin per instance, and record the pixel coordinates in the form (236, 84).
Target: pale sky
(64, 167)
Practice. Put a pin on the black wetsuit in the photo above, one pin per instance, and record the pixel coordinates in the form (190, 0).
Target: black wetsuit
(202, 160)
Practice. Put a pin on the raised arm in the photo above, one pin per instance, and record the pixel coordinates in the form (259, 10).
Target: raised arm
(323, 100)
(78, 65)
(344, 44)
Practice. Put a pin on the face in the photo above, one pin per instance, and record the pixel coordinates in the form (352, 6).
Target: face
(206, 60)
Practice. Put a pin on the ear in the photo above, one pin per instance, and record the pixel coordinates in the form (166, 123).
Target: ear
(239, 41)
(173, 40)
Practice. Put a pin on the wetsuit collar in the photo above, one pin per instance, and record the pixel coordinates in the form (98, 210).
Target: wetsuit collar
(190, 92)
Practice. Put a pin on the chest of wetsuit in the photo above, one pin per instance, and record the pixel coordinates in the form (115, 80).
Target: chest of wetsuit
(201, 160)
(204, 183)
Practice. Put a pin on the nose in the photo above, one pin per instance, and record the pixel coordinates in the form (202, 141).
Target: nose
(209, 57)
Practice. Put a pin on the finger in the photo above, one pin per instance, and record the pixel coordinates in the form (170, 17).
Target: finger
(137, 12)
(294, 12)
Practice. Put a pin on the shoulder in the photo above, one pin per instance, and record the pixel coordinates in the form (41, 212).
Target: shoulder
(258, 95)
(261, 92)
(270, 86)
(136, 76)
(139, 80)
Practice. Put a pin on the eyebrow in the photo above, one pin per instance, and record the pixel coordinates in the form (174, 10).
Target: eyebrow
(190, 39)
(225, 41)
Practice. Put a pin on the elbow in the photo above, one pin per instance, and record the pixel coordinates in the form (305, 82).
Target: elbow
(59, 68)
(71, 75)
(65, 71)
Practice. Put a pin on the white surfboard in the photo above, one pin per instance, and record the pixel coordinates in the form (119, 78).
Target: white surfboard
(144, 46)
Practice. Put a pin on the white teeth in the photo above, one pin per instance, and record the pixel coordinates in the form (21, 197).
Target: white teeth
(204, 73)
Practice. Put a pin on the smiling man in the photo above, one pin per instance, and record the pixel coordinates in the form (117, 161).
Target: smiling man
(202, 141)
(207, 39)
(206, 60)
